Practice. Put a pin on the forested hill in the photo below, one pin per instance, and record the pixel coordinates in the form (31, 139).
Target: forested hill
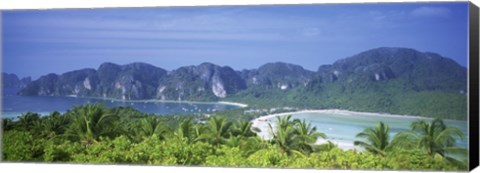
(389, 80)
(418, 71)
(393, 80)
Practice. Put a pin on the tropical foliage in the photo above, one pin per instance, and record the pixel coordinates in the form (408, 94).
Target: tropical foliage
(378, 139)
(374, 98)
(436, 139)
(97, 134)
(295, 136)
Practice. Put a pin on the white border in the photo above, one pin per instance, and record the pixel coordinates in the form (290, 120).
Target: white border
(74, 168)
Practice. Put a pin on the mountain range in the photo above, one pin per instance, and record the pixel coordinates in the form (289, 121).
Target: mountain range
(10, 80)
(382, 79)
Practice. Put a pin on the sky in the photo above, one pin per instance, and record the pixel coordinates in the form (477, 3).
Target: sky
(38, 42)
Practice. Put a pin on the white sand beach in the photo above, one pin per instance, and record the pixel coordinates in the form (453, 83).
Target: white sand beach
(233, 103)
(263, 124)
(165, 101)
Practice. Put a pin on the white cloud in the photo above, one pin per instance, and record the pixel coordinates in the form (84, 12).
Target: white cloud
(431, 12)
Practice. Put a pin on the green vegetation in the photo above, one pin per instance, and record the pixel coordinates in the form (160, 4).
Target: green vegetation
(388, 97)
(436, 139)
(385, 79)
(295, 136)
(96, 134)
(378, 139)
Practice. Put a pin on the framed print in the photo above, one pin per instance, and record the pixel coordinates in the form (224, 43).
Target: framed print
(354, 86)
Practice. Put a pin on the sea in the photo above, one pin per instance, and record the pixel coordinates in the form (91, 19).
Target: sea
(343, 126)
(339, 126)
(14, 105)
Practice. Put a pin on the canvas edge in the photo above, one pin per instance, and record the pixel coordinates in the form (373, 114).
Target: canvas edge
(1, 84)
(473, 86)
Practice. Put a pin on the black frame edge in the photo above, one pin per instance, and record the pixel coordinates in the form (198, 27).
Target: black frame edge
(474, 86)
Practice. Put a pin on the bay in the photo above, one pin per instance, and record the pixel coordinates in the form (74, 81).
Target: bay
(14, 105)
(341, 127)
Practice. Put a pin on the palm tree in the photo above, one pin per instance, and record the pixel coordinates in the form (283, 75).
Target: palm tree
(377, 139)
(285, 137)
(217, 130)
(151, 125)
(307, 135)
(187, 130)
(435, 138)
(284, 121)
(53, 125)
(295, 136)
(90, 122)
(244, 129)
(7, 124)
(27, 121)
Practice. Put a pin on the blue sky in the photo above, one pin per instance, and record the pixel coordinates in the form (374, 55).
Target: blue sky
(37, 42)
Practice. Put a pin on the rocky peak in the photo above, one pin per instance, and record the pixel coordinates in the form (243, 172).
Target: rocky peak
(10, 80)
(388, 63)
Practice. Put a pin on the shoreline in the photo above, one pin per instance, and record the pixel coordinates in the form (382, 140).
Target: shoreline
(241, 105)
(340, 112)
(265, 133)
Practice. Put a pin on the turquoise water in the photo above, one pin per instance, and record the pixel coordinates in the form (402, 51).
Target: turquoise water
(338, 126)
(344, 127)
(14, 105)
